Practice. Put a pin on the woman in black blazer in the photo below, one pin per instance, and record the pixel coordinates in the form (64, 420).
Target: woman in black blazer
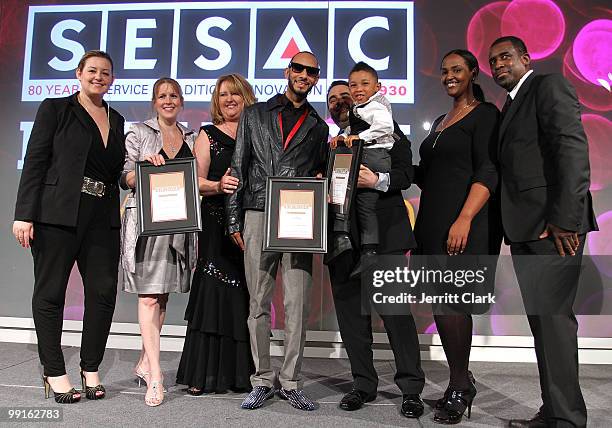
(67, 210)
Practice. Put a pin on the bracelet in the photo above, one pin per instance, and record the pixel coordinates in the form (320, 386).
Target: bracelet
(219, 187)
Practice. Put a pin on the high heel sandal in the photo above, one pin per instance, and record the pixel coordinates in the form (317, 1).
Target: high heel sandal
(141, 376)
(192, 390)
(440, 402)
(155, 400)
(97, 392)
(72, 396)
(457, 402)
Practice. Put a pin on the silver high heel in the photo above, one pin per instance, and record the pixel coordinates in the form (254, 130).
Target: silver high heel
(155, 400)
(140, 376)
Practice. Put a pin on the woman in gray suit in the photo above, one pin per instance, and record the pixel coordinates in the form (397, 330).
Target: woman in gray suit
(155, 266)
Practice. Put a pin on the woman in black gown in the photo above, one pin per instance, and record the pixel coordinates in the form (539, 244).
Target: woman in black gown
(457, 176)
(217, 355)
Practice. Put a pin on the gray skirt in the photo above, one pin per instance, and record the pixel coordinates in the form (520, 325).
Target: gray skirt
(159, 268)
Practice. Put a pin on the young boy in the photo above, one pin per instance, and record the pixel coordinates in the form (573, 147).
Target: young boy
(370, 120)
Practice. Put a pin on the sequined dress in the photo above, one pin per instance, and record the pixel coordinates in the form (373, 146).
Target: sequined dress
(216, 354)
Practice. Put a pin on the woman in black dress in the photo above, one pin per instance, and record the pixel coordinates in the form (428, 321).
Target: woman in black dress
(457, 176)
(217, 355)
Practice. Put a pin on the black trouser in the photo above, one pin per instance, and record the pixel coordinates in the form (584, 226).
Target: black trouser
(356, 331)
(94, 245)
(378, 160)
(549, 284)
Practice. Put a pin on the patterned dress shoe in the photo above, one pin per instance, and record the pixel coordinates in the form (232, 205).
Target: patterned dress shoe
(297, 399)
(355, 399)
(256, 397)
(537, 421)
(412, 406)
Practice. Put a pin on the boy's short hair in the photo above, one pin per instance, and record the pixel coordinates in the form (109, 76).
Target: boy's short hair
(362, 66)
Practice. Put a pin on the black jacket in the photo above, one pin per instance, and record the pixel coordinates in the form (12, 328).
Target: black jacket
(259, 154)
(544, 161)
(54, 164)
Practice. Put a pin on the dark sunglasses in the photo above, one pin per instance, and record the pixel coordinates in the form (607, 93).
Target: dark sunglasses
(298, 68)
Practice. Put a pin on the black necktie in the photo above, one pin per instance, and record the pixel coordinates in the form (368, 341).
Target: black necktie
(506, 106)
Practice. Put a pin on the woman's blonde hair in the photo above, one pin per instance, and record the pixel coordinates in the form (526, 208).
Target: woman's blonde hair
(237, 84)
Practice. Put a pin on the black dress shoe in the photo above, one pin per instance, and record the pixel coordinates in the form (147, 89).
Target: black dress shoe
(412, 406)
(537, 421)
(355, 399)
(340, 243)
(366, 261)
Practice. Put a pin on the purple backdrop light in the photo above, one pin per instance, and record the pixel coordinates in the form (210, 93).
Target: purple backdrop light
(600, 242)
(594, 97)
(431, 329)
(592, 51)
(483, 29)
(598, 130)
(540, 23)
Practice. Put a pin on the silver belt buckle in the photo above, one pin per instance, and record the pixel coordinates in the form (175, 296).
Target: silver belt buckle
(93, 187)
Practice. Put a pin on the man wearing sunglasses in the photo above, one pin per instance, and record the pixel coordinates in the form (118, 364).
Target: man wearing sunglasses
(395, 238)
(281, 137)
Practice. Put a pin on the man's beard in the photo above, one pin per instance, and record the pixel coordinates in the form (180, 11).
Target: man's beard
(340, 115)
(300, 94)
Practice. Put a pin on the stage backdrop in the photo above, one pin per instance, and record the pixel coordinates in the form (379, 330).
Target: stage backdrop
(195, 42)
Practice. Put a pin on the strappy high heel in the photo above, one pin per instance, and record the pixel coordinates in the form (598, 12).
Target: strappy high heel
(97, 392)
(70, 397)
(192, 390)
(158, 394)
(141, 376)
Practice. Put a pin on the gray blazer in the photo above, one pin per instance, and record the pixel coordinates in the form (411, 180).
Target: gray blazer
(144, 138)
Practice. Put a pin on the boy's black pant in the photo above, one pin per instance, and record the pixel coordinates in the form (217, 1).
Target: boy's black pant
(378, 160)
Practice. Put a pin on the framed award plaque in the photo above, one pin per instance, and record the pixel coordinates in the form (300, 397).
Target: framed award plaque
(343, 171)
(167, 197)
(296, 215)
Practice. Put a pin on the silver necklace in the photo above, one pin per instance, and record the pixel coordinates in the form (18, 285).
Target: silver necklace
(172, 144)
(450, 121)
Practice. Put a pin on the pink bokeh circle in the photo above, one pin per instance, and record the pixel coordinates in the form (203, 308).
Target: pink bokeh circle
(600, 242)
(594, 97)
(483, 29)
(539, 23)
(592, 50)
(598, 130)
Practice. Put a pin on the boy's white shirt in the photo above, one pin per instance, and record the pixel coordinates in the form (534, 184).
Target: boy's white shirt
(378, 113)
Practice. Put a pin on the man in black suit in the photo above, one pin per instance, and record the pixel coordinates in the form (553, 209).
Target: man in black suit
(395, 238)
(546, 212)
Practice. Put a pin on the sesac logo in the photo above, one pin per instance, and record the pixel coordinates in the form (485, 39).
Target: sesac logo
(290, 43)
(280, 34)
(197, 42)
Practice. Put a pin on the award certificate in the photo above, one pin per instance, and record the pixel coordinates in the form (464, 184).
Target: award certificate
(296, 214)
(168, 201)
(340, 178)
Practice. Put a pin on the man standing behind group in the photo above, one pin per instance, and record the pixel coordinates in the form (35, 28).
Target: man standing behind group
(546, 212)
(395, 238)
(281, 137)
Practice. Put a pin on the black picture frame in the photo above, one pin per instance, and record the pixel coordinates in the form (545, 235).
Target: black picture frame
(273, 232)
(355, 151)
(191, 221)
